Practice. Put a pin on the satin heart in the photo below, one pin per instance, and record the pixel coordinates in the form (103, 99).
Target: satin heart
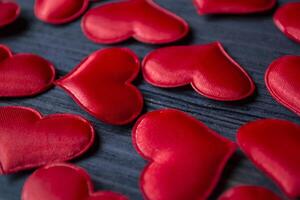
(282, 81)
(248, 193)
(187, 158)
(63, 182)
(273, 146)
(208, 68)
(101, 84)
(59, 11)
(23, 74)
(233, 6)
(141, 19)
(9, 11)
(287, 20)
(28, 140)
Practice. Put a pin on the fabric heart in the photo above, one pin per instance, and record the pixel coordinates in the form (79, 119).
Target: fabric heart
(63, 182)
(233, 6)
(101, 84)
(208, 68)
(59, 11)
(287, 20)
(9, 11)
(28, 140)
(282, 81)
(187, 158)
(248, 193)
(23, 74)
(273, 146)
(141, 19)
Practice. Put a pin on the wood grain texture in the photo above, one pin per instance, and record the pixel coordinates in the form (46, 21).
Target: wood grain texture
(253, 41)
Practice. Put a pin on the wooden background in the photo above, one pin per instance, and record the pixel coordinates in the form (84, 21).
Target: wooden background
(253, 41)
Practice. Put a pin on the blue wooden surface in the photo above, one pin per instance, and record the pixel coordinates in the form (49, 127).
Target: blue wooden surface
(253, 41)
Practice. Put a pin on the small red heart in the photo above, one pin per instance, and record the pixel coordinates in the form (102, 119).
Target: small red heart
(273, 146)
(208, 68)
(9, 12)
(233, 6)
(63, 182)
(248, 193)
(59, 11)
(28, 140)
(287, 19)
(141, 19)
(24, 74)
(282, 81)
(101, 84)
(187, 158)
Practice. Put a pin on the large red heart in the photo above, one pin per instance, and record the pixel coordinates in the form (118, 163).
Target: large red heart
(273, 146)
(233, 6)
(187, 158)
(101, 84)
(287, 20)
(28, 140)
(9, 11)
(208, 68)
(63, 182)
(141, 19)
(282, 80)
(23, 74)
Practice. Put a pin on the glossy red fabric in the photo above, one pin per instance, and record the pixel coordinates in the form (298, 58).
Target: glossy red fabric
(101, 84)
(283, 83)
(23, 74)
(63, 182)
(208, 68)
(29, 140)
(187, 158)
(233, 6)
(248, 193)
(9, 11)
(59, 11)
(273, 146)
(141, 19)
(287, 20)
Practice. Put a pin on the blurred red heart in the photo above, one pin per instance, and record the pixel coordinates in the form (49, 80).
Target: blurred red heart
(187, 158)
(9, 11)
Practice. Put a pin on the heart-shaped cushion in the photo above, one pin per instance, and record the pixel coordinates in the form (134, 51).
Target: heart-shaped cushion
(9, 11)
(24, 74)
(273, 146)
(141, 19)
(63, 182)
(187, 158)
(101, 84)
(28, 140)
(208, 68)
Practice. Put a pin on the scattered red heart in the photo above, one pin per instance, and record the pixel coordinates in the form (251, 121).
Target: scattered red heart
(9, 12)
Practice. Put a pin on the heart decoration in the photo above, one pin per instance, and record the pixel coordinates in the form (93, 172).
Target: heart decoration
(273, 146)
(141, 19)
(101, 84)
(208, 68)
(282, 81)
(186, 157)
(287, 20)
(63, 181)
(9, 12)
(28, 140)
(233, 6)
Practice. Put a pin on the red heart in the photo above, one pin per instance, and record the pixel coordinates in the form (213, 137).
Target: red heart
(101, 84)
(141, 19)
(23, 74)
(59, 11)
(28, 140)
(9, 11)
(282, 80)
(287, 20)
(187, 158)
(233, 6)
(63, 182)
(248, 193)
(208, 68)
(273, 146)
